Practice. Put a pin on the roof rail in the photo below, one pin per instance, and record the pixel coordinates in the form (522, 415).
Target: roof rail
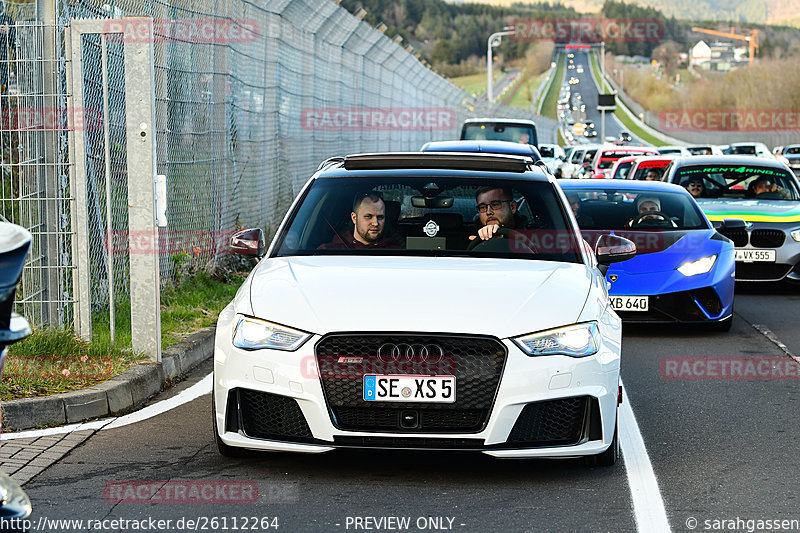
(438, 160)
(330, 161)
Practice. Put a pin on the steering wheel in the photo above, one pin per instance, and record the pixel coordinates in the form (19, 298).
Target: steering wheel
(656, 218)
(501, 242)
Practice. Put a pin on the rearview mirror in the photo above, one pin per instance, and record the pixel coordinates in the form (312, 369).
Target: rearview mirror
(437, 202)
(248, 242)
(613, 249)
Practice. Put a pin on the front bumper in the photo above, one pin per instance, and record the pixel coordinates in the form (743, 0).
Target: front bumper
(675, 298)
(765, 236)
(554, 406)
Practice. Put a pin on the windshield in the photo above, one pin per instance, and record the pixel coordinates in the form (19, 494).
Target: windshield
(622, 170)
(792, 150)
(746, 149)
(649, 170)
(606, 208)
(414, 216)
(490, 131)
(750, 181)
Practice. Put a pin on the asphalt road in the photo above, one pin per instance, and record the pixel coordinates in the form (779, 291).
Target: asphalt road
(721, 449)
(589, 91)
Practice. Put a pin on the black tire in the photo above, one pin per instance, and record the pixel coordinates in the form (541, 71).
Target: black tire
(224, 449)
(722, 326)
(610, 456)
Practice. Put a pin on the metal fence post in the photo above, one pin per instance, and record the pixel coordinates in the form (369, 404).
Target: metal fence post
(48, 171)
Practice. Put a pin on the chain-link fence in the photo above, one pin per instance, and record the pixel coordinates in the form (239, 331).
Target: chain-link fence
(250, 98)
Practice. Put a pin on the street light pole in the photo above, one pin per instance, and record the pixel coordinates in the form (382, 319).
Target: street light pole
(494, 40)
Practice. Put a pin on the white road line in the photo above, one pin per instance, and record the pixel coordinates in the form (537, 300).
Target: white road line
(651, 516)
(195, 391)
(648, 506)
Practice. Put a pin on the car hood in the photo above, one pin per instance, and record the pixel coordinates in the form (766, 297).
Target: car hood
(501, 297)
(751, 210)
(665, 251)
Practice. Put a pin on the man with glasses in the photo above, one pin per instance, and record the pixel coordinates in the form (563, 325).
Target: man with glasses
(369, 220)
(496, 209)
(695, 187)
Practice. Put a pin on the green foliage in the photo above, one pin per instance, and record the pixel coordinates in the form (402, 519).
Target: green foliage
(463, 28)
(52, 361)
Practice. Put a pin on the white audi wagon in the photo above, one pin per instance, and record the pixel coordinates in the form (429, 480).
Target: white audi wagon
(423, 301)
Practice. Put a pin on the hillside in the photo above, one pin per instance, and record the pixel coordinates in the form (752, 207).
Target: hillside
(753, 11)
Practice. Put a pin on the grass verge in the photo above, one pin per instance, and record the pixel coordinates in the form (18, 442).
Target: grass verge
(549, 106)
(475, 84)
(52, 361)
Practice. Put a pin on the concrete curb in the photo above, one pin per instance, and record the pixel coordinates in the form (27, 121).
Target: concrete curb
(119, 395)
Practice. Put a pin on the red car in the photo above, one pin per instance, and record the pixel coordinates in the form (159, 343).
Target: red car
(606, 156)
(650, 168)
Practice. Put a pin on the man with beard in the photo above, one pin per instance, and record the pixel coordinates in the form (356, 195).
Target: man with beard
(369, 220)
(496, 209)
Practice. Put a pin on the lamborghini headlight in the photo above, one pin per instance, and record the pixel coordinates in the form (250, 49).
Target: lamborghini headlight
(701, 266)
(579, 340)
(254, 334)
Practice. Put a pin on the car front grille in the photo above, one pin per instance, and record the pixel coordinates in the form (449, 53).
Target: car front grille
(551, 423)
(270, 416)
(476, 362)
(758, 238)
(738, 236)
(767, 238)
(761, 271)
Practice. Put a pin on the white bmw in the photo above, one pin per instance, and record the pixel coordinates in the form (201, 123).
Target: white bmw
(382, 316)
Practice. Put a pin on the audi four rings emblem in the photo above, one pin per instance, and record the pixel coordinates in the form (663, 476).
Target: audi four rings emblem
(389, 352)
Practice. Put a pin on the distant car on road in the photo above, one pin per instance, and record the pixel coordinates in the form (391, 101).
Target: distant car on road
(625, 136)
(500, 129)
(682, 272)
(765, 194)
(756, 149)
(606, 156)
(552, 155)
(644, 167)
(792, 154)
(622, 168)
(704, 149)
(574, 81)
(674, 150)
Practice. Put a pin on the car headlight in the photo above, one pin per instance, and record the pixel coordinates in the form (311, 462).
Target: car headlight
(254, 334)
(580, 340)
(796, 235)
(701, 266)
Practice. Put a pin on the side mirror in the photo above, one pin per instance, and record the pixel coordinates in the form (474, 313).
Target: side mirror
(734, 223)
(248, 242)
(613, 249)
